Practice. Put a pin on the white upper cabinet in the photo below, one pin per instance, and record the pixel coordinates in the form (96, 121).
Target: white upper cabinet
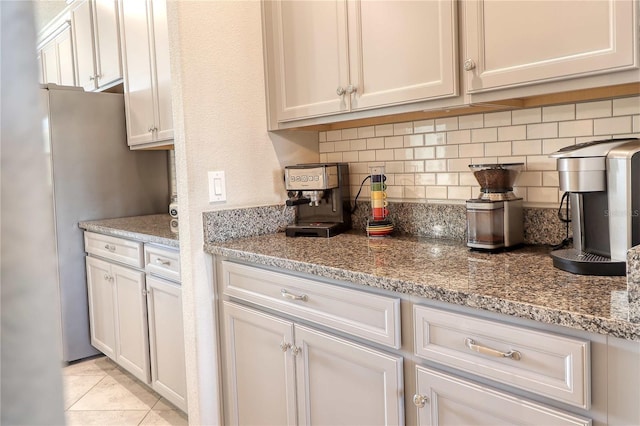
(510, 44)
(97, 44)
(56, 58)
(146, 69)
(329, 57)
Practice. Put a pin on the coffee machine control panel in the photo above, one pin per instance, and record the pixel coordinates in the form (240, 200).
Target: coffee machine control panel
(311, 178)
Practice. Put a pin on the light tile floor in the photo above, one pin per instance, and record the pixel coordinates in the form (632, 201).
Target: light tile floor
(98, 392)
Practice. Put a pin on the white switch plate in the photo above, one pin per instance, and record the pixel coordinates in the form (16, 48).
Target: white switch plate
(217, 187)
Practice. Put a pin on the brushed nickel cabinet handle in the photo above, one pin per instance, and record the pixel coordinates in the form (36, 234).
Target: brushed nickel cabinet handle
(292, 296)
(471, 344)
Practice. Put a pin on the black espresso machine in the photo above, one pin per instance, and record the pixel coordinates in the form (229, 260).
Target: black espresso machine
(320, 194)
(603, 182)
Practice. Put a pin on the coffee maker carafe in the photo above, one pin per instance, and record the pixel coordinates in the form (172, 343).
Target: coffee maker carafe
(603, 182)
(320, 194)
(494, 219)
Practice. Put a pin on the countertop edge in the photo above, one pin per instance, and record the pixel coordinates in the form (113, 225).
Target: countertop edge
(145, 238)
(606, 326)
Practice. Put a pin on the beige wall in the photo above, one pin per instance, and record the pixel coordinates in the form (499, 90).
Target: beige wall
(220, 124)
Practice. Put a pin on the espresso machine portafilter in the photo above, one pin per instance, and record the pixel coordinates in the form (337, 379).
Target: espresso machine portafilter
(320, 194)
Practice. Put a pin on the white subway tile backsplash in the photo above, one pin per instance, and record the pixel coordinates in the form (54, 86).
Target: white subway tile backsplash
(424, 153)
(474, 121)
(526, 147)
(542, 131)
(403, 154)
(425, 178)
(447, 151)
(575, 128)
(559, 113)
(414, 140)
(334, 135)
(435, 165)
(459, 136)
(612, 126)
(429, 159)
(484, 135)
(497, 119)
(424, 126)
(626, 106)
(349, 134)
(384, 130)
(375, 143)
(435, 138)
(446, 124)
(526, 116)
(497, 149)
(394, 142)
(511, 133)
(366, 132)
(403, 128)
(594, 109)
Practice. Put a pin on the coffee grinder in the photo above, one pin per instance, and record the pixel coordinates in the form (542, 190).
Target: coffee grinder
(494, 219)
(320, 194)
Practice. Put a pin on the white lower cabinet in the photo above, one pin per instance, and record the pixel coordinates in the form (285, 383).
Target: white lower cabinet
(443, 399)
(136, 317)
(118, 315)
(280, 372)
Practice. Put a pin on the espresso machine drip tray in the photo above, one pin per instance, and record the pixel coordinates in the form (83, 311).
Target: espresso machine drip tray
(315, 229)
(583, 263)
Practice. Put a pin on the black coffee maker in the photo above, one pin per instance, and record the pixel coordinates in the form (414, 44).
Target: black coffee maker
(320, 194)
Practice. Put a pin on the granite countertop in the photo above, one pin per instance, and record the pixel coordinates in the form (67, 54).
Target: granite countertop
(148, 229)
(521, 283)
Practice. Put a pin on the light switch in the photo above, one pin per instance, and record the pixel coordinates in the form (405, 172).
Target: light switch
(217, 187)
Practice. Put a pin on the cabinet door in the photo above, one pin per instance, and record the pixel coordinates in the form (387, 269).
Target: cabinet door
(107, 42)
(102, 309)
(65, 59)
(443, 399)
(343, 383)
(402, 51)
(166, 340)
(516, 43)
(50, 63)
(310, 53)
(131, 306)
(137, 71)
(259, 372)
(81, 18)
(162, 69)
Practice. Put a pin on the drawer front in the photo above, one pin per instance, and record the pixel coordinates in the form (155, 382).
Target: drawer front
(554, 366)
(163, 262)
(362, 314)
(113, 248)
(443, 399)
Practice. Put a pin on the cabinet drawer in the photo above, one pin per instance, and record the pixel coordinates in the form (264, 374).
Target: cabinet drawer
(162, 262)
(443, 399)
(554, 366)
(113, 248)
(362, 314)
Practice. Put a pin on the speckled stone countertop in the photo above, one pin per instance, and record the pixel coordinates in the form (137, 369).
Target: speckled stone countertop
(148, 229)
(521, 283)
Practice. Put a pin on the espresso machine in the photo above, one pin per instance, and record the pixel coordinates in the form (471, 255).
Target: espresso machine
(494, 219)
(603, 181)
(320, 194)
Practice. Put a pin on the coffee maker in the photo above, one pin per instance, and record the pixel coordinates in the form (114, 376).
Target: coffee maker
(320, 194)
(603, 181)
(494, 219)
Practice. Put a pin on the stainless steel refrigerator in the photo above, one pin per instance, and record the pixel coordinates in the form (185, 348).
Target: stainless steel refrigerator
(93, 175)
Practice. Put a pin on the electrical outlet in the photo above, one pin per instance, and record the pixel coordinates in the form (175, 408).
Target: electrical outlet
(217, 187)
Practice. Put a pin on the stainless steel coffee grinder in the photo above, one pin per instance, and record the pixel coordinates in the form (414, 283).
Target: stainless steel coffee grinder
(494, 219)
(320, 194)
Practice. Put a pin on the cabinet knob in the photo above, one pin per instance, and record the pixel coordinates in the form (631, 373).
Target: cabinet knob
(420, 400)
(340, 91)
(295, 350)
(110, 247)
(92, 77)
(469, 65)
(351, 89)
(284, 346)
